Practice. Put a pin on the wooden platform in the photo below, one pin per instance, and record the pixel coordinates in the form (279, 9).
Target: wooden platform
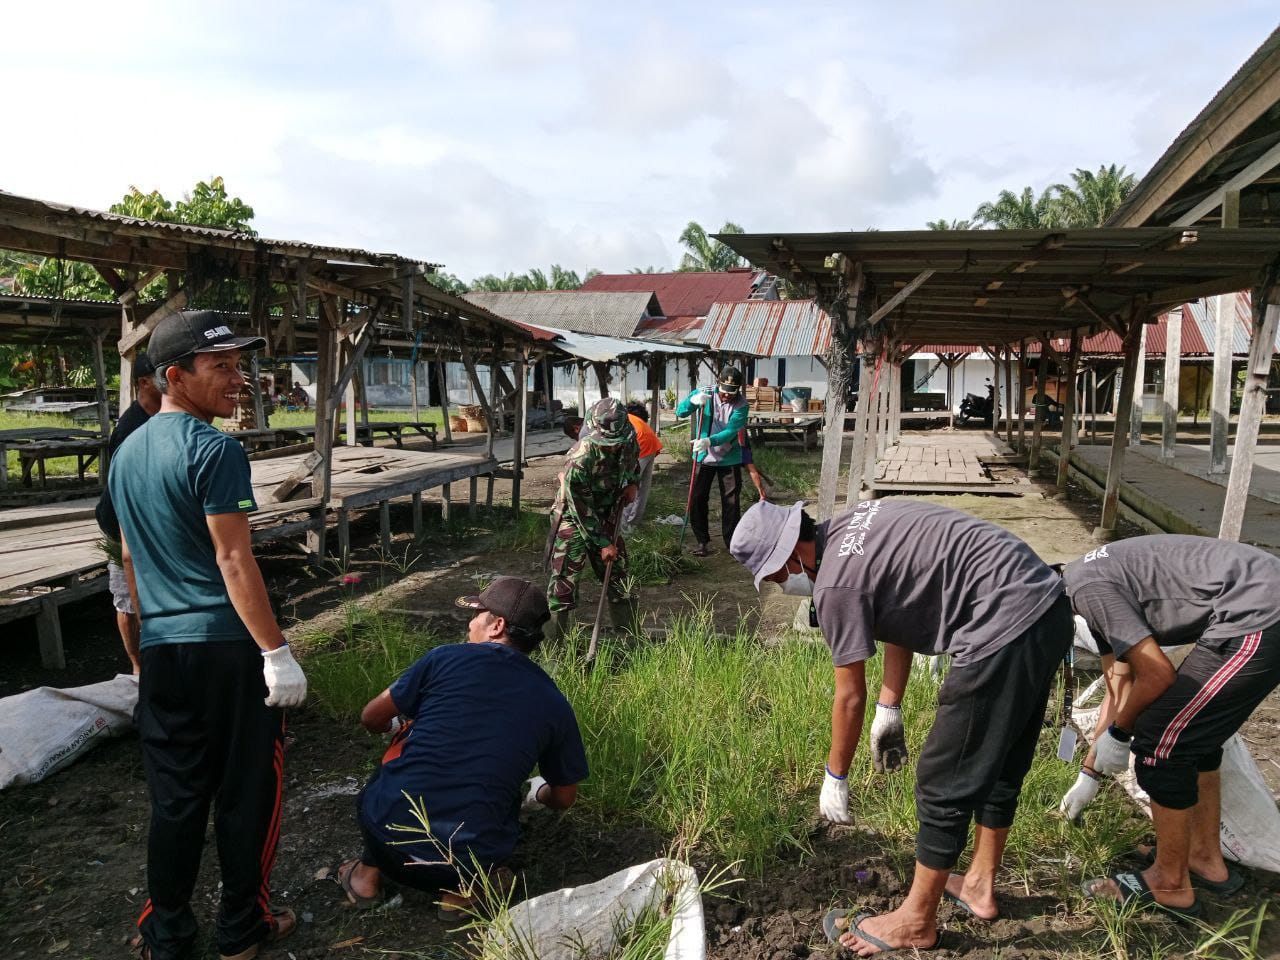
(944, 463)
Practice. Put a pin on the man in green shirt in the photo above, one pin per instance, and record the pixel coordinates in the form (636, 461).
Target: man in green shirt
(719, 435)
(216, 672)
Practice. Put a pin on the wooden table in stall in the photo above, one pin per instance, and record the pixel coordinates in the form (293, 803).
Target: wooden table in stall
(45, 443)
(801, 428)
(271, 437)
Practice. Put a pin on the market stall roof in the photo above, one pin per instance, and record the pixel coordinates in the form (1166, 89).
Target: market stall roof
(985, 286)
(607, 314)
(51, 320)
(1232, 144)
(599, 349)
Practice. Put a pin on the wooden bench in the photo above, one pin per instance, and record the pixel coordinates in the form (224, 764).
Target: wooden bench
(33, 456)
(802, 428)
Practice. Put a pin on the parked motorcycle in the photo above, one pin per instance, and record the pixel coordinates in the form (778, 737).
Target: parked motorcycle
(975, 407)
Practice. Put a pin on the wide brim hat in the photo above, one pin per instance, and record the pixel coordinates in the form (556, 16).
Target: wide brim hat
(765, 538)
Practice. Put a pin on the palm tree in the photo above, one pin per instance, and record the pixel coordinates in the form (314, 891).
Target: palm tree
(1094, 198)
(705, 253)
(562, 279)
(1024, 211)
(649, 269)
(447, 282)
(950, 225)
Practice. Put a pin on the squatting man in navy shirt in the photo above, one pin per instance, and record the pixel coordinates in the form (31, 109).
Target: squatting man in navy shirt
(469, 722)
(216, 672)
(920, 578)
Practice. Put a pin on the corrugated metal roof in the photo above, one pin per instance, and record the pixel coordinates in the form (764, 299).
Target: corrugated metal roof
(681, 294)
(47, 210)
(670, 328)
(963, 348)
(595, 348)
(605, 314)
(768, 328)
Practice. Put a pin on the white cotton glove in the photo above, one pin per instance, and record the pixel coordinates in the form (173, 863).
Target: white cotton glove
(397, 724)
(700, 398)
(531, 800)
(1078, 797)
(888, 740)
(833, 803)
(286, 683)
(701, 445)
(1111, 754)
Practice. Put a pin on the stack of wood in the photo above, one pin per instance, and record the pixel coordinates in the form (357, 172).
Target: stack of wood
(474, 414)
(763, 397)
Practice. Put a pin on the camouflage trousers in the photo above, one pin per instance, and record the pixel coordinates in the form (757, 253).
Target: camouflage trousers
(569, 554)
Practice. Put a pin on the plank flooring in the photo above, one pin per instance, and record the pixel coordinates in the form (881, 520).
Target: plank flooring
(942, 462)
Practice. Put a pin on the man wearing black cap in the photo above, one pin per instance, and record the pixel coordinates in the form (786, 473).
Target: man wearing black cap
(145, 405)
(719, 433)
(216, 671)
(470, 721)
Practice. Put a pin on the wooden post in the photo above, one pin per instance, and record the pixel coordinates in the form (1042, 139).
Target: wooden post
(858, 455)
(582, 389)
(1008, 392)
(1140, 388)
(995, 393)
(493, 419)
(895, 404)
(1022, 397)
(326, 329)
(417, 515)
(1106, 528)
(473, 376)
(362, 393)
(1093, 404)
(1069, 406)
(259, 408)
(517, 466)
(49, 636)
(1172, 376)
(655, 401)
(832, 440)
(384, 526)
(1037, 427)
(413, 387)
(104, 409)
(626, 394)
(352, 435)
(951, 413)
(443, 377)
(1223, 310)
(1266, 315)
(869, 452)
(549, 382)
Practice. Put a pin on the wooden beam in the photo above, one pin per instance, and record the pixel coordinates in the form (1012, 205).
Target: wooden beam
(1140, 387)
(517, 447)
(893, 302)
(833, 428)
(1223, 311)
(443, 377)
(1105, 531)
(1252, 405)
(1069, 406)
(1244, 178)
(1037, 426)
(1169, 395)
(130, 340)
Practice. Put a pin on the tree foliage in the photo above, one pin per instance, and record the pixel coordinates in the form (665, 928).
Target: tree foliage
(1090, 200)
(950, 224)
(557, 279)
(706, 254)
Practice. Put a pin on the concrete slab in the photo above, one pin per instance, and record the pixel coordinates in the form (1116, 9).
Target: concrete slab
(1194, 459)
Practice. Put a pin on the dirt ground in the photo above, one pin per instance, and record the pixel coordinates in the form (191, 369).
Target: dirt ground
(72, 849)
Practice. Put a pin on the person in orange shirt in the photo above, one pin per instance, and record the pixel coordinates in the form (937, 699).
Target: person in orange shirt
(650, 447)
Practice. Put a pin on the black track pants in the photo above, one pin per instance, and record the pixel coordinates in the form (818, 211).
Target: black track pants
(730, 481)
(984, 738)
(1180, 735)
(209, 739)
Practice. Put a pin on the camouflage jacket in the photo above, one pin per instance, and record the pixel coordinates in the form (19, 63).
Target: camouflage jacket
(600, 464)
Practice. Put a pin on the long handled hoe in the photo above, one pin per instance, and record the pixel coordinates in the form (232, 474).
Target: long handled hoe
(693, 474)
(604, 586)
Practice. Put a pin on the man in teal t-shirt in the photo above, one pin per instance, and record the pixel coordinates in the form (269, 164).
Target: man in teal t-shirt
(719, 433)
(216, 671)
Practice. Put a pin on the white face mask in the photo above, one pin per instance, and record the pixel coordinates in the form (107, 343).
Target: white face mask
(798, 585)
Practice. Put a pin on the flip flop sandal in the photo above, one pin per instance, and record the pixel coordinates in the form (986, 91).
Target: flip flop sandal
(837, 923)
(1236, 877)
(353, 898)
(703, 550)
(952, 898)
(1135, 892)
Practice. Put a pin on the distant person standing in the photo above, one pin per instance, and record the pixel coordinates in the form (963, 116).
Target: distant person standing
(650, 447)
(719, 432)
(216, 671)
(145, 405)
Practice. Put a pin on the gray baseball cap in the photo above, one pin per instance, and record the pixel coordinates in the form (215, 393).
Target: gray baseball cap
(765, 537)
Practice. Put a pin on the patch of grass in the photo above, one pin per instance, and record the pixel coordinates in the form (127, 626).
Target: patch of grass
(790, 472)
(654, 556)
(526, 531)
(371, 649)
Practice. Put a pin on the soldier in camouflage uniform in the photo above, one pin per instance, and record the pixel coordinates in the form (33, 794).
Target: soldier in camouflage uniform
(599, 476)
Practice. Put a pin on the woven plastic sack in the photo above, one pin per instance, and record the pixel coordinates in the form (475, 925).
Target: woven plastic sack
(1250, 827)
(46, 729)
(574, 922)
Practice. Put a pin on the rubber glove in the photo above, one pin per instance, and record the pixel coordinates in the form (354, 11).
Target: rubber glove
(888, 740)
(531, 800)
(833, 803)
(1079, 796)
(397, 724)
(1111, 753)
(700, 398)
(286, 683)
(701, 445)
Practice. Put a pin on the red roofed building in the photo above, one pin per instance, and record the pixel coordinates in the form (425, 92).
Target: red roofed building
(686, 298)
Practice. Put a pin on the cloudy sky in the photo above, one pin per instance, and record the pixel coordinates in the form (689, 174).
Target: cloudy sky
(495, 136)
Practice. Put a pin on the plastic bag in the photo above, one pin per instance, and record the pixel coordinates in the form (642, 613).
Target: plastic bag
(581, 921)
(46, 729)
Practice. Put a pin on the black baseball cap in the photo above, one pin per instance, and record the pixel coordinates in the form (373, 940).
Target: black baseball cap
(195, 331)
(142, 365)
(517, 601)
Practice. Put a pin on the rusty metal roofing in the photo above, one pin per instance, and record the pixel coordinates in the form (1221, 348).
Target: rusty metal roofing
(40, 215)
(768, 328)
(681, 293)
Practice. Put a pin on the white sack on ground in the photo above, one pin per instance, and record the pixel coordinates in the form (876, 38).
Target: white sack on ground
(46, 729)
(1250, 827)
(574, 922)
